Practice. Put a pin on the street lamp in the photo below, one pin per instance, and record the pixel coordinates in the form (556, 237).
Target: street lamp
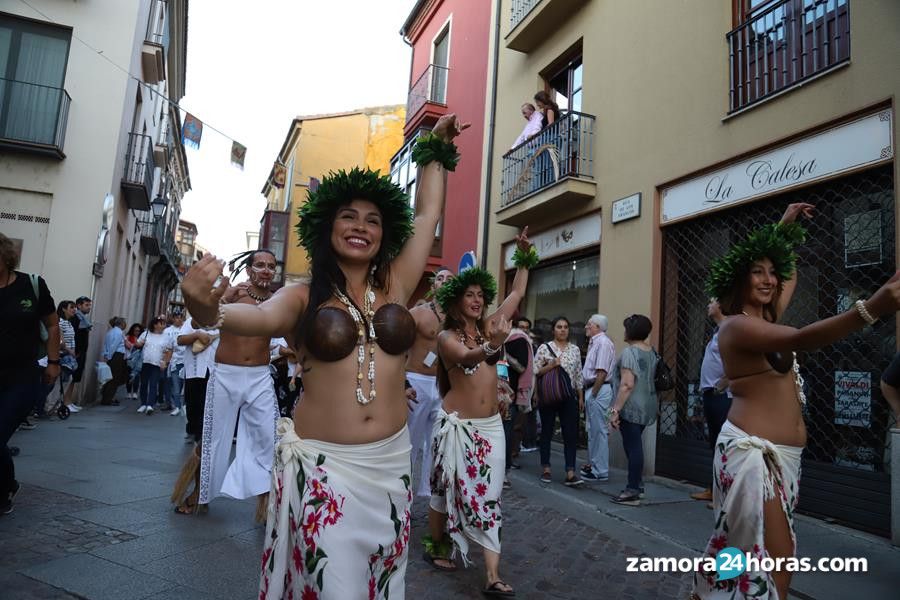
(158, 206)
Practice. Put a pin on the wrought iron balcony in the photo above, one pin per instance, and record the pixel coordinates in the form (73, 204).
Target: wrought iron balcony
(787, 43)
(430, 87)
(560, 151)
(156, 43)
(157, 239)
(137, 181)
(33, 117)
(533, 21)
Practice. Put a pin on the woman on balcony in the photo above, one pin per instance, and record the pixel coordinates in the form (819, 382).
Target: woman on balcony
(757, 456)
(339, 511)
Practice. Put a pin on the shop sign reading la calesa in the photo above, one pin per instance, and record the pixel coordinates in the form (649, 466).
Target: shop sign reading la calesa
(866, 141)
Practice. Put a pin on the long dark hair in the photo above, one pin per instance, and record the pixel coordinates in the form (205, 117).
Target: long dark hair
(544, 98)
(326, 274)
(63, 306)
(453, 321)
(131, 329)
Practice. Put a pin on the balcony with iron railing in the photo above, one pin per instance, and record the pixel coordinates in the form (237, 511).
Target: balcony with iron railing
(137, 180)
(156, 238)
(33, 118)
(533, 21)
(548, 173)
(156, 43)
(784, 45)
(427, 99)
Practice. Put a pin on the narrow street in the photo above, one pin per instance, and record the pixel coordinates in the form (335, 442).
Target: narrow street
(93, 520)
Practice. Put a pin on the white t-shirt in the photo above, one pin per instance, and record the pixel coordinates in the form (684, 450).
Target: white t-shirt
(178, 351)
(274, 345)
(155, 345)
(196, 365)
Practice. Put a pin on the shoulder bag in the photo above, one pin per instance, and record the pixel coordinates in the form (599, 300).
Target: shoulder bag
(554, 387)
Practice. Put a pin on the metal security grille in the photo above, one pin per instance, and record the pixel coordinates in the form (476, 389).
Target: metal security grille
(849, 254)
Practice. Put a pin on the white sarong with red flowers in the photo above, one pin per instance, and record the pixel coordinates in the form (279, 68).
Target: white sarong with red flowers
(467, 479)
(747, 471)
(338, 520)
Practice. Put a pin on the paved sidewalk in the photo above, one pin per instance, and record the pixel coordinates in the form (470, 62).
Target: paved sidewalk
(93, 521)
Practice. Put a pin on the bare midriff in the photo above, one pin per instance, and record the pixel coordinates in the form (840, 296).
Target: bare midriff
(766, 405)
(427, 330)
(329, 411)
(472, 396)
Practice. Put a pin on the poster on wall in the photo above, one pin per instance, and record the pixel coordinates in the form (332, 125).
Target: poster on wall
(852, 398)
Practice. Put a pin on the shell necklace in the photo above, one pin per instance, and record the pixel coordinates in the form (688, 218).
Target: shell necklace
(478, 339)
(361, 323)
(259, 299)
(798, 378)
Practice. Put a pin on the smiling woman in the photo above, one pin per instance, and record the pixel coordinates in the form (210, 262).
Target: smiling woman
(338, 517)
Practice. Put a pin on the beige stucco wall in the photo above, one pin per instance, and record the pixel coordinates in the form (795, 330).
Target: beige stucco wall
(656, 78)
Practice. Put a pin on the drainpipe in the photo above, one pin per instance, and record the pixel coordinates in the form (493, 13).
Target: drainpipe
(485, 227)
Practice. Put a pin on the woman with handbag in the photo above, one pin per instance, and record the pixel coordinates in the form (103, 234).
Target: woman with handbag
(636, 403)
(560, 390)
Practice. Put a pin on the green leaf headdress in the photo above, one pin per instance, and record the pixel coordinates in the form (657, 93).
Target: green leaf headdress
(339, 188)
(775, 242)
(454, 288)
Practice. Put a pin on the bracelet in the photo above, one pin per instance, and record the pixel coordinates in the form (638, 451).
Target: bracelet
(527, 259)
(488, 350)
(864, 312)
(220, 320)
(430, 148)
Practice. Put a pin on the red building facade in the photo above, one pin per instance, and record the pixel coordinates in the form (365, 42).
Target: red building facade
(450, 42)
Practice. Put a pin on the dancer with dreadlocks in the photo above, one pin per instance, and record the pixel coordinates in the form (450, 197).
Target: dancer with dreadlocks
(239, 381)
(757, 456)
(339, 510)
(469, 446)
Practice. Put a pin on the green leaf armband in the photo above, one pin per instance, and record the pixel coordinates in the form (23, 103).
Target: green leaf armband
(526, 260)
(430, 148)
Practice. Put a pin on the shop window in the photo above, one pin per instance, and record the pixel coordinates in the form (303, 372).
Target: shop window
(568, 288)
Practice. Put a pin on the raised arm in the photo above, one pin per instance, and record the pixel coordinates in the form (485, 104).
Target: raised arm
(204, 285)
(787, 291)
(454, 352)
(407, 267)
(520, 283)
(757, 335)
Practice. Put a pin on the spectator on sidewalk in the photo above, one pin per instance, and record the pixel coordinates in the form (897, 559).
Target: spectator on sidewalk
(520, 364)
(134, 360)
(114, 355)
(174, 388)
(25, 303)
(636, 403)
(156, 349)
(68, 361)
(714, 390)
(528, 426)
(560, 352)
(598, 392)
(82, 325)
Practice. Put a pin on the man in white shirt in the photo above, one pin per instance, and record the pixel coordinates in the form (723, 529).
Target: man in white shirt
(174, 378)
(287, 389)
(598, 397)
(532, 127)
(713, 388)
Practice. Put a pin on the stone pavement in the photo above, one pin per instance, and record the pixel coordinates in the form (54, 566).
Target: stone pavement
(93, 521)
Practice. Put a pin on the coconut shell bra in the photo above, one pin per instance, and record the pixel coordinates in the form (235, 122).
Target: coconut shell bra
(334, 336)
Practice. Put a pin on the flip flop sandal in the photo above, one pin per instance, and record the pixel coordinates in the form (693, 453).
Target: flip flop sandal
(494, 591)
(430, 560)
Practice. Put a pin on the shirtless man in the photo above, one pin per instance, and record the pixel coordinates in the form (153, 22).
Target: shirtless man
(469, 442)
(240, 381)
(421, 371)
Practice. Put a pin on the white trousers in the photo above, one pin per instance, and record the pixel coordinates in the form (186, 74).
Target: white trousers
(421, 428)
(233, 388)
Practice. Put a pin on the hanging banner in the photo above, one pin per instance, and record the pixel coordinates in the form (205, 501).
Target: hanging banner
(279, 172)
(238, 152)
(191, 131)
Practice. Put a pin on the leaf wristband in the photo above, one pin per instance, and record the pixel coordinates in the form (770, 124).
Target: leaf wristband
(527, 259)
(430, 148)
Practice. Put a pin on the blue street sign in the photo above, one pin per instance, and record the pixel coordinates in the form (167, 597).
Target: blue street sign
(467, 261)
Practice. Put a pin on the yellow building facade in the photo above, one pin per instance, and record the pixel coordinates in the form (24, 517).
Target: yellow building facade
(313, 146)
(683, 126)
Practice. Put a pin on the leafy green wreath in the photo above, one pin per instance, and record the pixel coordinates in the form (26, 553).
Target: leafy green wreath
(774, 241)
(455, 287)
(430, 148)
(339, 188)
